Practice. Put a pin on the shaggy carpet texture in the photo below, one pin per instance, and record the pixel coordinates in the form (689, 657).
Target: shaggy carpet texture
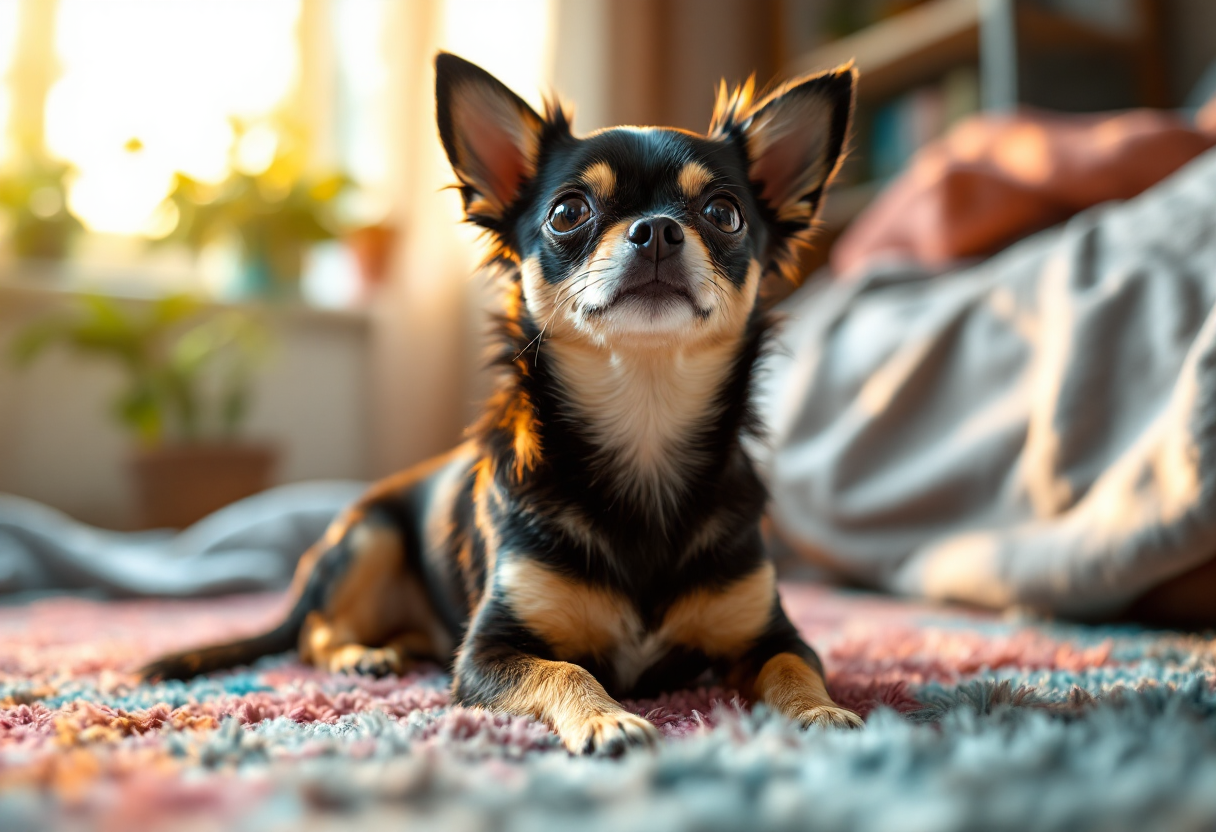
(973, 722)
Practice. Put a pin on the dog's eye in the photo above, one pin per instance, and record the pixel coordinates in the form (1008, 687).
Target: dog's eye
(569, 214)
(723, 213)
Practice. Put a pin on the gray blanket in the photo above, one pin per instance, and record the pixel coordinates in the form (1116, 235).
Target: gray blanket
(253, 544)
(1038, 429)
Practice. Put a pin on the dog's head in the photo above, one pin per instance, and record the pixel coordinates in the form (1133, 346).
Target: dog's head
(644, 236)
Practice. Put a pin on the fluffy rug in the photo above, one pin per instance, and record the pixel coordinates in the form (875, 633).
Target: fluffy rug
(973, 722)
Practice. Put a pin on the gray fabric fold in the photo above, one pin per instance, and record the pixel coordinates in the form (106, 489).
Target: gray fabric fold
(253, 544)
(1038, 429)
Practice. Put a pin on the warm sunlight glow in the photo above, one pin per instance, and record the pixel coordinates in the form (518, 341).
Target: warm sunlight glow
(256, 148)
(8, 45)
(150, 87)
(511, 40)
(359, 39)
(361, 32)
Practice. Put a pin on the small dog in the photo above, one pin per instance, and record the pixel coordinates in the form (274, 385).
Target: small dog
(598, 535)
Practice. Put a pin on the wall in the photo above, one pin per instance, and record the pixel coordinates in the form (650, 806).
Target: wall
(1190, 37)
(59, 446)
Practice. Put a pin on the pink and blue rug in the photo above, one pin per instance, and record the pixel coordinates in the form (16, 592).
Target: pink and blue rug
(973, 722)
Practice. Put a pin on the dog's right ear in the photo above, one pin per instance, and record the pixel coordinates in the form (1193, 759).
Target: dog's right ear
(492, 137)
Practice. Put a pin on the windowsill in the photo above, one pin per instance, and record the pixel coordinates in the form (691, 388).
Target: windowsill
(38, 283)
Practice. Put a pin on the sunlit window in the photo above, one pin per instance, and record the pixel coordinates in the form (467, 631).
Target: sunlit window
(149, 87)
(8, 46)
(360, 28)
(511, 40)
(137, 95)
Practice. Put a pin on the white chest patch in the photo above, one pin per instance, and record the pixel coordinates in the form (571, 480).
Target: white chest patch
(641, 408)
(636, 652)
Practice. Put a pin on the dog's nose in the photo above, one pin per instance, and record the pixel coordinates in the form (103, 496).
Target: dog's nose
(656, 237)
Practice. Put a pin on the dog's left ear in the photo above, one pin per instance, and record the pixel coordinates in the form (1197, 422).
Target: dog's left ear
(793, 138)
(492, 137)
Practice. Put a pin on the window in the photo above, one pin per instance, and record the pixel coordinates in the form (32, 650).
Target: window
(148, 88)
(130, 93)
(8, 46)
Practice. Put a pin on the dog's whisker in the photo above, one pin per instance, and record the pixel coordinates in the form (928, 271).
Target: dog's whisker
(721, 291)
(539, 339)
(556, 307)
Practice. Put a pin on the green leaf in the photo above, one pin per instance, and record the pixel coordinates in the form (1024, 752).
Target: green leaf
(36, 339)
(234, 408)
(329, 188)
(173, 309)
(140, 411)
(180, 394)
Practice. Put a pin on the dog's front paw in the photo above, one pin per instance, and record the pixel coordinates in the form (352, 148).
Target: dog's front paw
(610, 734)
(829, 716)
(367, 661)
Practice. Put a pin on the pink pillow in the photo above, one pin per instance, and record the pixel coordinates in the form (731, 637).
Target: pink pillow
(993, 180)
(1206, 120)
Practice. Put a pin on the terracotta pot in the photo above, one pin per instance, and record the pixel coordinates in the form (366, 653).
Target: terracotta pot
(372, 246)
(181, 484)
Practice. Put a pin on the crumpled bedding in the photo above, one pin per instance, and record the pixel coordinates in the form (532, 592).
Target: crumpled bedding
(253, 544)
(995, 179)
(1038, 429)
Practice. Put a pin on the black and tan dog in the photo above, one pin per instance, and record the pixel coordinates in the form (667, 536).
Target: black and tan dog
(598, 535)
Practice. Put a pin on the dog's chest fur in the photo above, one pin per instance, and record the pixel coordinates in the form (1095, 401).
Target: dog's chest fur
(581, 621)
(641, 410)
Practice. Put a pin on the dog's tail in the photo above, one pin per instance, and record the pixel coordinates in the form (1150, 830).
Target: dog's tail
(279, 639)
(190, 663)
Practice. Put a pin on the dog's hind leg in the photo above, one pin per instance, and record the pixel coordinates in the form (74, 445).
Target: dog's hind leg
(333, 646)
(376, 617)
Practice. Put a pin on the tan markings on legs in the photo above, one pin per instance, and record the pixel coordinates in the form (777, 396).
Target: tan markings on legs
(573, 618)
(601, 179)
(334, 533)
(376, 602)
(789, 685)
(364, 600)
(576, 706)
(724, 622)
(578, 620)
(694, 178)
(399, 656)
(350, 518)
(320, 640)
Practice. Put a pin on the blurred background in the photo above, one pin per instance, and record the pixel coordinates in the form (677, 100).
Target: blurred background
(227, 258)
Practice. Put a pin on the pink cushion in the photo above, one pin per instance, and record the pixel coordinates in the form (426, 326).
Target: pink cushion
(993, 180)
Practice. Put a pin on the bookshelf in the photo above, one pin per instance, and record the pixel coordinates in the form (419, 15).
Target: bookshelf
(999, 45)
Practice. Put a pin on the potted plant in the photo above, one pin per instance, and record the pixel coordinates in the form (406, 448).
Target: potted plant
(34, 196)
(274, 215)
(188, 371)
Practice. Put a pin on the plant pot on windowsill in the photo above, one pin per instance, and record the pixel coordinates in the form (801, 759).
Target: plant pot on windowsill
(178, 485)
(263, 277)
(274, 216)
(188, 372)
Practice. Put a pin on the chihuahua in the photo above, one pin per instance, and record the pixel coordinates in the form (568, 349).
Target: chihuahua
(598, 534)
